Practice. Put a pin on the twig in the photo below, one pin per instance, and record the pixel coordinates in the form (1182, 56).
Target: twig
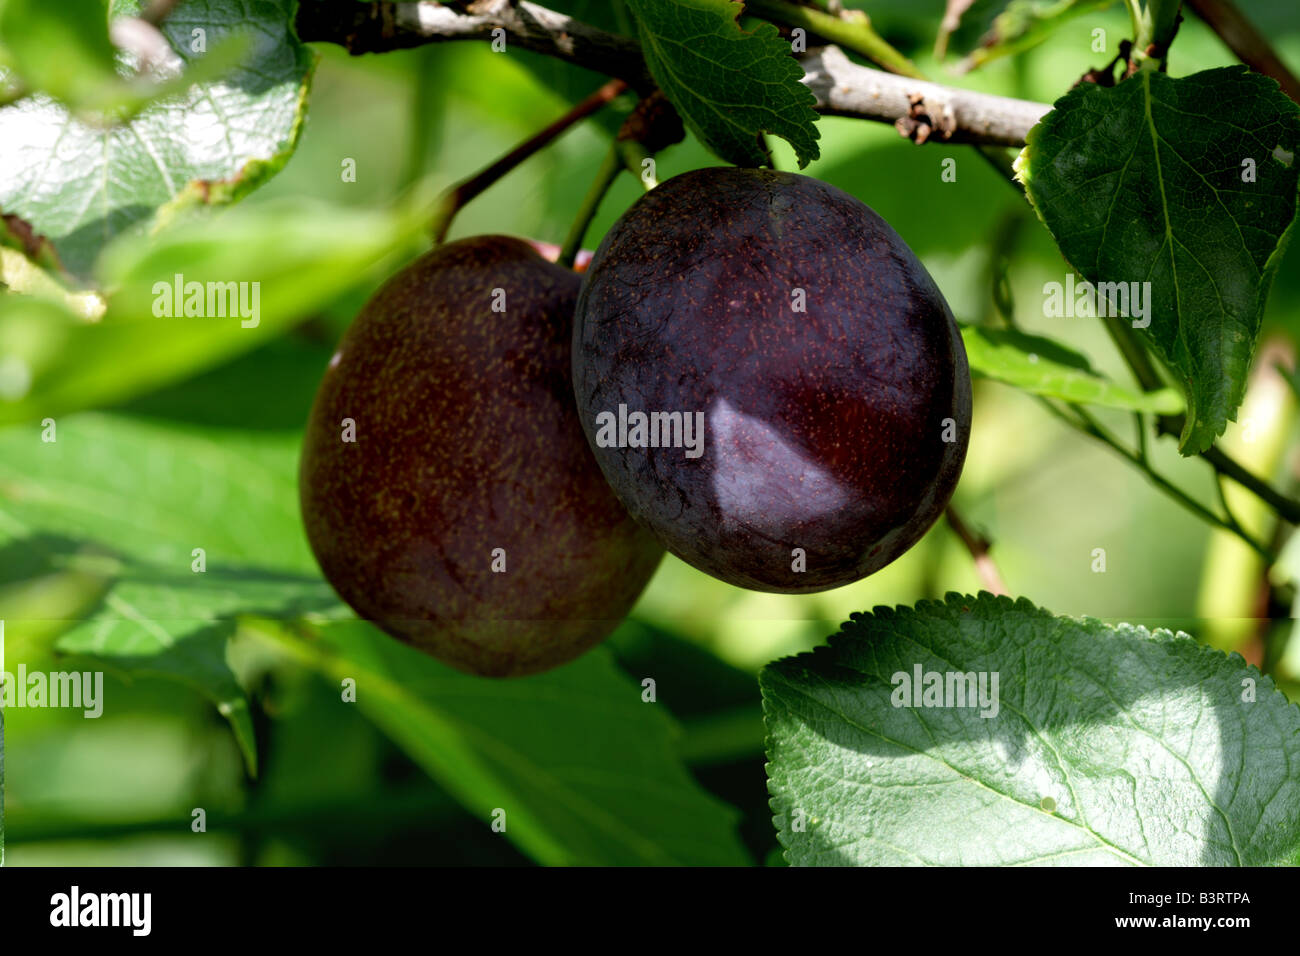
(852, 30)
(1140, 428)
(842, 88)
(1223, 464)
(1288, 508)
(382, 26)
(1246, 43)
(460, 194)
(1090, 426)
(978, 546)
(1228, 515)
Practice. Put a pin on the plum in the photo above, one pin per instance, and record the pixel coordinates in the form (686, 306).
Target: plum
(447, 489)
(769, 378)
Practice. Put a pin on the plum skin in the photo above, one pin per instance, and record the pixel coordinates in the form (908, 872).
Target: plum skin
(467, 441)
(840, 430)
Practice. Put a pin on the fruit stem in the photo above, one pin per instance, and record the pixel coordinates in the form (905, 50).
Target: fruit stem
(455, 198)
(853, 31)
(634, 156)
(978, 546)
(610, 167)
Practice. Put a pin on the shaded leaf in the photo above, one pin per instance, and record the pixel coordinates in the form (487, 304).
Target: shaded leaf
(1107, 745)
(728, 84)
(584, 771)
(61, 48)
(1147, 182)
(277, 262)
(122, 504)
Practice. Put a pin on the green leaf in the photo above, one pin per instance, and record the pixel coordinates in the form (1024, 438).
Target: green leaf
(64, 50)
(295, 255)
(80, 185)
(25, 273)
(61, 48)
(1107, 745)
(585, 772)
(728, 84)
(1044, 367)
(120, 505)
(1143, 183)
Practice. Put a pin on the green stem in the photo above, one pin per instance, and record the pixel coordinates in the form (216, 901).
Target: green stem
(1090, 426)
(1121, 333)
(1145, 372)
(1140, 425)
(634, 155)
(610, 167)
(1164, 24)
(1227, 508)
(853, 31)
(1288, 508)
(1154, 24)
(1002, 295)
(1141, 20)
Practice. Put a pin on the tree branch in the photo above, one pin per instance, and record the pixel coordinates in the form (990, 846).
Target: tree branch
(1247, 43)
(842, 87)
(978, 546)
(382, 26)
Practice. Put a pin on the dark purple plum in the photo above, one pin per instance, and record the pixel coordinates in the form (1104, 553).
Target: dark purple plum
(814, 349)
(468, 517)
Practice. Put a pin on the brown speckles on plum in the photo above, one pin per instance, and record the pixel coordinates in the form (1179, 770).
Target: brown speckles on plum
(468, 440)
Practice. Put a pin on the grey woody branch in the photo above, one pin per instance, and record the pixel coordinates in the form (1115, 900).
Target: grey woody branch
(378, 27)
(842, 88)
